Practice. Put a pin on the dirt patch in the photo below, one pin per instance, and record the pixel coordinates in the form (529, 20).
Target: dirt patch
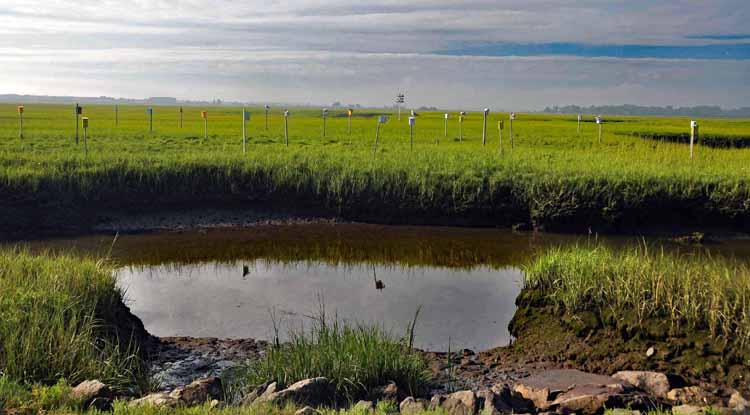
(546, 340)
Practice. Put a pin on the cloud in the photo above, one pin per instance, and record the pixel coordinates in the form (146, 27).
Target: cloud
(320, 51)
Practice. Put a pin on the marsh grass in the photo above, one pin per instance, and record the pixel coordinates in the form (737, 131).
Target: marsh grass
(553, 176)
(692, 291)
(355, 357)
(51, 326)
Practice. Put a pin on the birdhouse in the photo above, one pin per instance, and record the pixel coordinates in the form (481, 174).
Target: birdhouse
(598, 119)
(180, 109)
(325, 112)
(204, 115)
(350, 112)
(486, 111)
(382, 119)
(512, 115)
(20, 109)
(412, 121)
(693, 124)
(286, 114)
(500, 125)
(247, 115)
(446, 115)
(85, 122)
(79, 110)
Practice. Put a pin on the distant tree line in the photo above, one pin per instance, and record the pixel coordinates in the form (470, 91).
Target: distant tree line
(705, 111)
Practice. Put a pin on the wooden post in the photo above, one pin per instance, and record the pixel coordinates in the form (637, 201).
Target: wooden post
(484, 126)
(117, 115)
(150, 120)
(693, 136)
(20, 120)
(286, 127)
(244, 135)
(267, 108)
(204, 115)
(85, 121)
(500, 125)
(78, 111)
(349, 113)
(461, 126)
(181, 111)
(325, 116)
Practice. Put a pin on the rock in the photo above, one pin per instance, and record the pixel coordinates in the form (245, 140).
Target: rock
(687, 410)
(540, 397)
(738, 402)
(257, 392)
(410, 406)
(589, 399)
(650, 352)
(517, 402)
(88, 391)
(460, 403)
(621, 411)
(198, 392)
(580, 392)
(389, 392)
(214, 404)
(689, 395)
(655, 383)
(156, 400)
(491, 403)
(305, 411)
(436, 402)
(313, 392)
(364, 406)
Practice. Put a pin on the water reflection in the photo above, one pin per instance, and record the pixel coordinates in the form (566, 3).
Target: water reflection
(469, 308)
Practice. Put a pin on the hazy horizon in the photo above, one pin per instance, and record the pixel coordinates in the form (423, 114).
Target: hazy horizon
(522, 55)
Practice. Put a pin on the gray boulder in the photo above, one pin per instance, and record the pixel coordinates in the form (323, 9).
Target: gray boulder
(654, 383)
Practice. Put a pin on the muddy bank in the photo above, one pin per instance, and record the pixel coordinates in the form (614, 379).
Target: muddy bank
(104, 202)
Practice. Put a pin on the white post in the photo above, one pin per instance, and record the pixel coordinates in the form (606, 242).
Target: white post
(412, 121)
(578, 128)
(286, 127)
(599, 123)
(204, 115)
(484, 126)
(446, 126)
(510, 128)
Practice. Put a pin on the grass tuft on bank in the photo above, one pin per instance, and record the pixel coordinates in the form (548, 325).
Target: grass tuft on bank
(53, 321)
(693, 292)
(355, 357)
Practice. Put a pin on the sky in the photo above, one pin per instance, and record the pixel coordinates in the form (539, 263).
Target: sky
(504, 54)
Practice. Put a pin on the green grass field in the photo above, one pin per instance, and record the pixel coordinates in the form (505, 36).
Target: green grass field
(553, 177)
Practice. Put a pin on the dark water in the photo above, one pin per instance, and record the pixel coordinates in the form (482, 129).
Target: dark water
(229, 283)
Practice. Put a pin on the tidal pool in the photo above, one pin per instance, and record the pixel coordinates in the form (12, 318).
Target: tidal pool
(235, 283)
(461, 307)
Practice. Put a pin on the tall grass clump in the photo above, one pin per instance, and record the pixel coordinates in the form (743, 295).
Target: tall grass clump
(51, 325)
(694, 292)
(356, 358)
